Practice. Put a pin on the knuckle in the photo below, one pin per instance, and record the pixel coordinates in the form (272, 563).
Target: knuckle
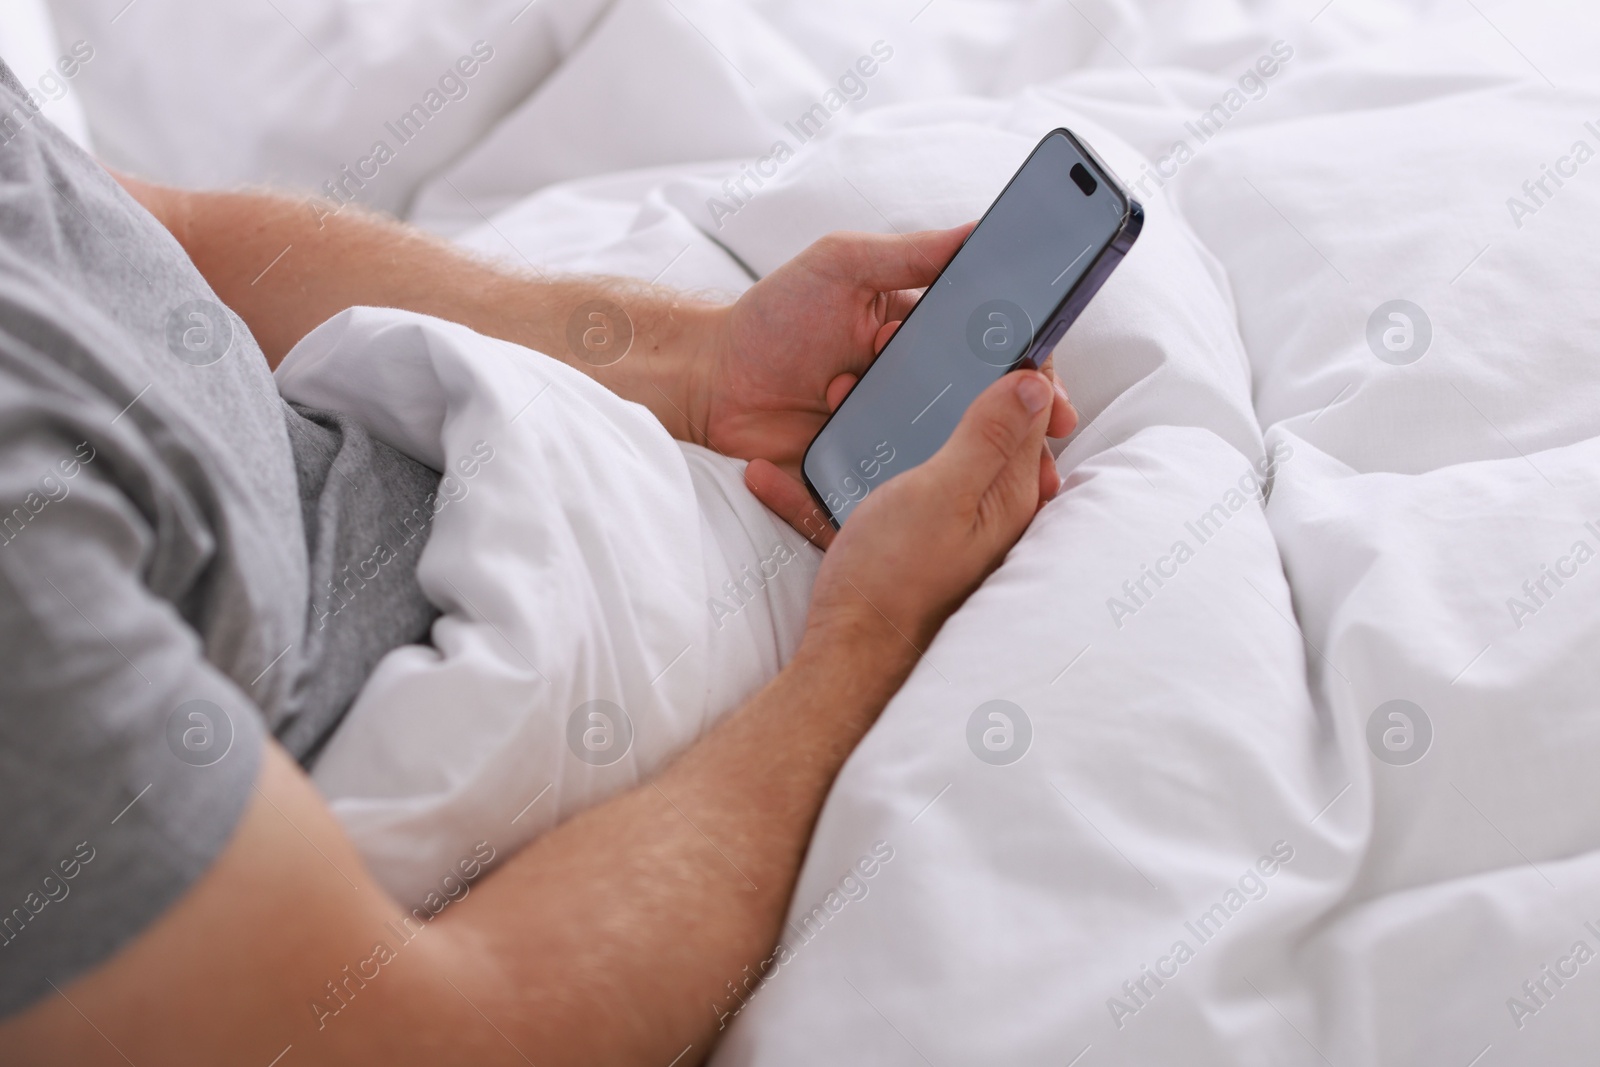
(998, 435)
(829, 242)
(836, 245)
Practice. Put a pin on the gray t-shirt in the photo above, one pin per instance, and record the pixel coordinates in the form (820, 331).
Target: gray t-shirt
(187, 564)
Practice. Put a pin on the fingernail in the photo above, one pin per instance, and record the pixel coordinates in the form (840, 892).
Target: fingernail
(1034, 392)
(1062, 389)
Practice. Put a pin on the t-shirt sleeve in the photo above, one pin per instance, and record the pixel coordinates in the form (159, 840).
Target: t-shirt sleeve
(126, 759)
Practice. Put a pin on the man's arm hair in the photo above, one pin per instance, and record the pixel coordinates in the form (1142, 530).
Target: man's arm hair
(285, 267)
(612, 939)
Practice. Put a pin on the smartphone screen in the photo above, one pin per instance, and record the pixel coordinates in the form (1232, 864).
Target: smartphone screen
(1043, 248)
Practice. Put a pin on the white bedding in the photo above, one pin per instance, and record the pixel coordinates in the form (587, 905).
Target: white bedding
(576, 550)
(46, 69)
(1429, 539)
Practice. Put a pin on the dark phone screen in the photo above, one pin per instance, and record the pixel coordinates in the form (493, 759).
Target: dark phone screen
(971, 326)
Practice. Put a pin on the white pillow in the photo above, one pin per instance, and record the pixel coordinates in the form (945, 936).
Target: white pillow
(205, 94)
(656, 82)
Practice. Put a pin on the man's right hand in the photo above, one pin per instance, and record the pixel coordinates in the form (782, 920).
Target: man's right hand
(922, 541)
(658, 899)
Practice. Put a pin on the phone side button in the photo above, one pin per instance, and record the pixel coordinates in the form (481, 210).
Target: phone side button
(1053, 338)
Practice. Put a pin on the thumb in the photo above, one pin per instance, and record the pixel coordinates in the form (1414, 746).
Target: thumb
(1001, 432)
(889, 262)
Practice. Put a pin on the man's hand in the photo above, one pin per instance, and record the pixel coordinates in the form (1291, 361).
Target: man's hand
(796, 343)
(921, 542)
(793, 345)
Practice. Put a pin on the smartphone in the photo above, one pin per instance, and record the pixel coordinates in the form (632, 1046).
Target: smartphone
(1041, 251)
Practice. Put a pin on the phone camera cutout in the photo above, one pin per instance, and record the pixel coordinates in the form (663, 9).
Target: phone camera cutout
(1083, 179)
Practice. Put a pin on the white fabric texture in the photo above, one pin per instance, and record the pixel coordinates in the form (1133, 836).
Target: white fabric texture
(300, 92)
(576, 551)
(33, 51)
(1210, 753)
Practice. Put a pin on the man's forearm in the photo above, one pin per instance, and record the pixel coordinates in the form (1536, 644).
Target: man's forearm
(614, 938)
(609, 940)
(285, 269)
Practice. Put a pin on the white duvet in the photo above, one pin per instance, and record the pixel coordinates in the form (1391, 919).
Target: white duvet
(1192, 778)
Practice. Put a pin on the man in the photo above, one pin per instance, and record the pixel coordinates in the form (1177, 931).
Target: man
(173, 890)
